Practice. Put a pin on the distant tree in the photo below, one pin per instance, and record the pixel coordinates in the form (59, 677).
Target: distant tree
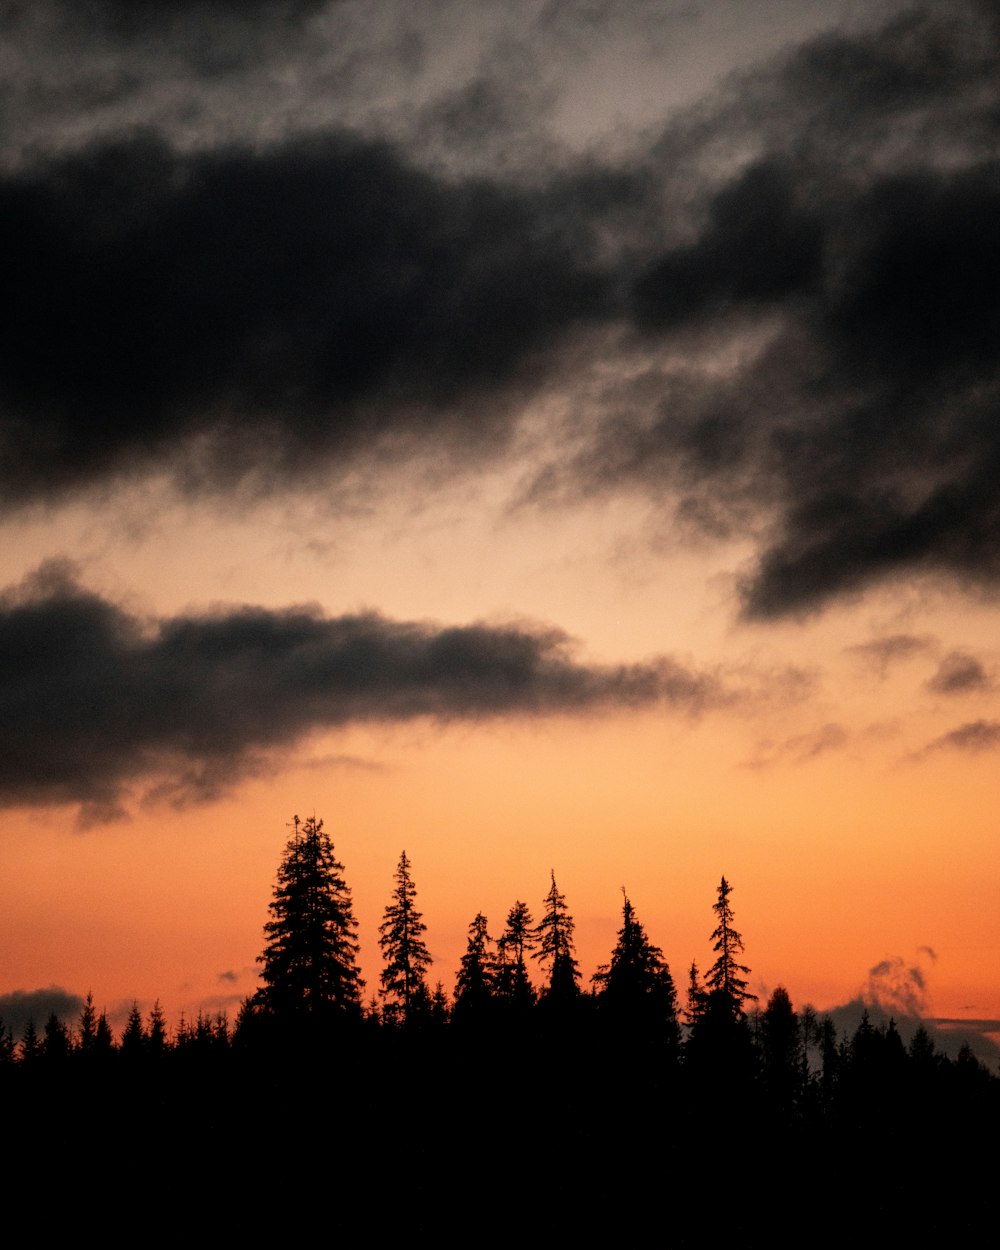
(636, 987)
(30, 1044)
(727, 976)
(781, 1048)
(7, 1047)
(719, 1050)
(134, 1039)
(696, 997)
(404, 977)
(310, 961)
(55, 1039)
(514, 988)
(554, 949)
(104, 1039)
(86, 1029)
(157, 1035)
(440, 1011)
(474, 984)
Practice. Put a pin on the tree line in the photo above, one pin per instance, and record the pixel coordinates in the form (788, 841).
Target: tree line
(312, 992)
(628, 1104)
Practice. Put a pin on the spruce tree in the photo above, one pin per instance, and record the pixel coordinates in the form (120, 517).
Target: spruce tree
(474, 984)
(554, 939)
(310, 962)
(404, 977)
(134, 1039)
(514, 988)
(636, 987)
(727, 976)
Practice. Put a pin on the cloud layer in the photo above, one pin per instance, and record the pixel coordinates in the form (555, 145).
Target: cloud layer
(94, 699)
(775, 312)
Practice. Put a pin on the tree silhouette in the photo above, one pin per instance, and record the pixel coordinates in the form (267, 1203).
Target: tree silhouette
(636, 987)
(134, 1039)
(554, 938)
(781, 1052)
(719, 1051)
(474, 983)
(404, 977)
(727, 976)
(310, 968)
(87, 1026)
(157, 1034)
(514, 988)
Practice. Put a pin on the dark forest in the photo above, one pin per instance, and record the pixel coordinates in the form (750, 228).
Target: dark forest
(625, 1109)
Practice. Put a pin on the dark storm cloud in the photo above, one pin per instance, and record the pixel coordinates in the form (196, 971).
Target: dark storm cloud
(92, 698)
(255, 314)
(958, 673)
(791, 295)
(849, 267)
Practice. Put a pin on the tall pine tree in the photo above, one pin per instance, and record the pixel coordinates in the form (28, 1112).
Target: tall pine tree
(404, 977)
(555, 950)
(636, 989)
(727, 976)
(310, 961)
(474, 984)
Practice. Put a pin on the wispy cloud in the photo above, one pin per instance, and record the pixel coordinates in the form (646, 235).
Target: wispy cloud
(973, 737)
(878, 655)
(959, 673)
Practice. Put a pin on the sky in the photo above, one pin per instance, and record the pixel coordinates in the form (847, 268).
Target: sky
(540, 437)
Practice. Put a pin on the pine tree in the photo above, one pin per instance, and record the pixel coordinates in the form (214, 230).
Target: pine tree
(7, 1047)
(55, 1040)
(636, 986)
(158, 1041)
(727, 976)
(554, 938)
(781, 1053)
(87, 1026)
(310, 961)
(474, 984)
(696, 997)
(719, 1051)
(404, 977)
(134, 1040)
(30, 1045)
(514, 988)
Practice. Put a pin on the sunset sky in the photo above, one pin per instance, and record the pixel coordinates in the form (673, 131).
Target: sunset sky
(534, 435)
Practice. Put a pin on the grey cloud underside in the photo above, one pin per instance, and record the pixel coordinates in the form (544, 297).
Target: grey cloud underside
(272, 310)
(19, 1007)
(959, 673)
(93, 699)
(971, 738)
(791, 297)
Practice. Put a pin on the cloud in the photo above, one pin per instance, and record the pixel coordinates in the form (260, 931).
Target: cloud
(896, 985)
(93, 698)
(896, 989)
(801, 748)
(878, 654)
(958, 673)
(19, 1006)
(820, 320)
(775, 312)
(972, 737)
(256, 316)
